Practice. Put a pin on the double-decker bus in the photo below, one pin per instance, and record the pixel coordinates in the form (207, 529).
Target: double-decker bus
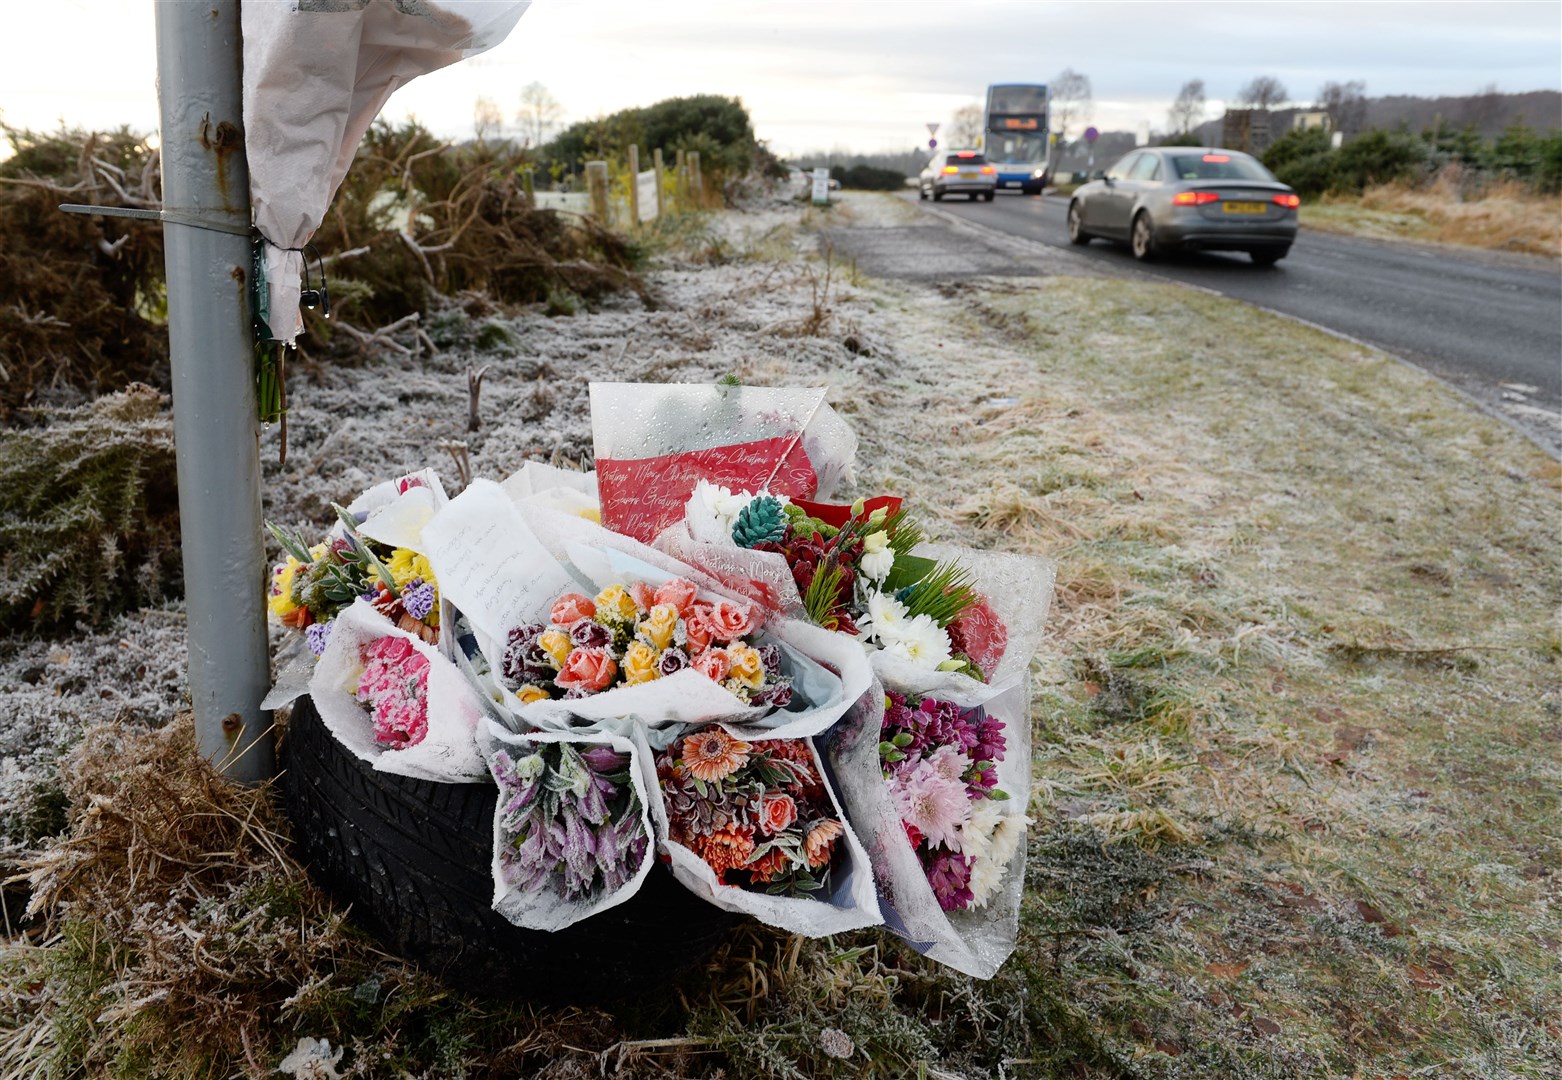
(1015, 135)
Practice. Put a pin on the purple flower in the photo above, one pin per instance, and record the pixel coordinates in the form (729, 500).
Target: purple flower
(604, 759)
(590, 634)
(317, 634)
(770, 654)
(777, 695)
(672, 661)
(522, 656)
(418, 599)
(950, 875)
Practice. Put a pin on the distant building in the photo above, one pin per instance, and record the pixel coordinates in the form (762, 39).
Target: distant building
(1307, 119)
(1246, 130)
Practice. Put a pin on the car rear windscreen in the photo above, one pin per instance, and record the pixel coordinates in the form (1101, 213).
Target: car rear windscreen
(1218, 167)
(968, 158)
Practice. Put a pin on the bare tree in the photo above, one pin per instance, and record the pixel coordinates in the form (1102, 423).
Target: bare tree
(1264, 92)
(1346, 104)
(1187, 112)
(487, 118)
(1483, 108)
(965, 126)
(539, 114)
(1071, 107)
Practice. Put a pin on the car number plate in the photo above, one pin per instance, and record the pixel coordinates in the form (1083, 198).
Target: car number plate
(1244, 207)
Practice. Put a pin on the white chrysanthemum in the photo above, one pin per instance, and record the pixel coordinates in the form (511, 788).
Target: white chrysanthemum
(990, 838)
(885, 613)
(919, 639)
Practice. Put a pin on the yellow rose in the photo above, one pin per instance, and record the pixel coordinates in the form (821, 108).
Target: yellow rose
(615, 604)
(556, 644)
(657, 627)
(745, 666)
(640, 663)
(530, 693)
(280, 596)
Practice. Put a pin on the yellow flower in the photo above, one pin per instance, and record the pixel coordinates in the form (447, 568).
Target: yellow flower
(744, 666)
(530, 693)
(280, 597)
(640, 663)
(407, 565)
(615, 604)
(590, 513)
(556, 644)
(657, 627)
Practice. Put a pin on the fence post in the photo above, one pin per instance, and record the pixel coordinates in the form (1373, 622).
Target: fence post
(529, 185)
(212, 359)
(681, 181)
(634, 186)
(596, 186)
(696, 181)
(661, 178)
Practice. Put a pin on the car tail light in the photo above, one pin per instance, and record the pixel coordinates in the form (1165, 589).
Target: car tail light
(1194, 198)
(1219, 159)
(966, 154)
(951, 169)
(1290, 202)
(988, 169)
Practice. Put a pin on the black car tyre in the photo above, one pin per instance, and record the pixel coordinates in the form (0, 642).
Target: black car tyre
(922, 192)
(975, 195)
(1142, 237)
(1076, 227)
(1268, 256)
(989, 196)
(938, 196)
(411, 857)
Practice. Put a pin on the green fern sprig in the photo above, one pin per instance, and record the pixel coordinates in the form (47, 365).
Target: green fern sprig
(944, 595)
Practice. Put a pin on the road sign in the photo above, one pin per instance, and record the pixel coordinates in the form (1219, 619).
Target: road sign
(821, 193)
(932, 144)
(1091, 134)
(932, 129)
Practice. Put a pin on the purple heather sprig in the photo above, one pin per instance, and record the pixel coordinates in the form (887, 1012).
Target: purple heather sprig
(317, 635)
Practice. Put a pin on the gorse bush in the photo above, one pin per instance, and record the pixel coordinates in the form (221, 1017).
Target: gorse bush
(717, 128)
(868, 178)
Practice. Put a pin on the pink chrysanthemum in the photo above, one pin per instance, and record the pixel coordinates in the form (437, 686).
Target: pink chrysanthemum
(933, 804)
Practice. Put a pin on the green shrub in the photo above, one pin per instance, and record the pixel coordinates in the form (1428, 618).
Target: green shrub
(89, 512)
(1377, 157)
(868, 178)
(716, 127)
(1303, 159)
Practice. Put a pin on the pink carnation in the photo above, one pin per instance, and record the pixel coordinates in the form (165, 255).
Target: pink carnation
(395, 685)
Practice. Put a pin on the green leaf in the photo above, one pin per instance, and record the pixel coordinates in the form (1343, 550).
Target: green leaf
(292, 544)
(906, 571)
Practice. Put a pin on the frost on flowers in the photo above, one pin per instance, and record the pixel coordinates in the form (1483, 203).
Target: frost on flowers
(570, 820)
(636, 634)
(855, 571)
(394, 685)
(940, 761)
(757, 813)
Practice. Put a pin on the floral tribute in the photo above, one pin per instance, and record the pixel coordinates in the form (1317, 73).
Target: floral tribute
(855, 572)
(940, 761)
(314, 584)
(569, 821)
(394, 685)
(627, 635)
(757, 813)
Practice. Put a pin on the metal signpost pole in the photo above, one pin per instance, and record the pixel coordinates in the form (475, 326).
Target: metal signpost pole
(211, 345)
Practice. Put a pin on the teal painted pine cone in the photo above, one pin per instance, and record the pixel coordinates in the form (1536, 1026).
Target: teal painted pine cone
(761, 521)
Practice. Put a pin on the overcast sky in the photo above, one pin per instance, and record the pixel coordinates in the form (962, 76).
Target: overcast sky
(857, 75)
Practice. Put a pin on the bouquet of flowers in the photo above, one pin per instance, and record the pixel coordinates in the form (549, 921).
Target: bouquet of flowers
(571, 833)
(634, 634)
(394, 685)
(855, 570)
(314, 584)
(940, 762)
(757, 811)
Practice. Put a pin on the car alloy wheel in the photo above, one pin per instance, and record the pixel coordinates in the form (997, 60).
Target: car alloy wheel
(1143, 238)
(1076, 228)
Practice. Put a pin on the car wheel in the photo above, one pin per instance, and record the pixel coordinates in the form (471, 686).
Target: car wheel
(1143, 238)
(1268, 256)
(1076, 227)
(938, 196)
(989, 196)
(922, 193)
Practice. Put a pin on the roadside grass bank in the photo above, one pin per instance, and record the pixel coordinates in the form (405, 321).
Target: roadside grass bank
(1298, 724)
(1507, 217)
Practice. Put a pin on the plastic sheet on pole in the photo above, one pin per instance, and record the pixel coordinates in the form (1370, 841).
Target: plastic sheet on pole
(316, 74)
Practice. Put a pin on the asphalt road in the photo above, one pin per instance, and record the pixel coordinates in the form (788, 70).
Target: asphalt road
(1490, 323)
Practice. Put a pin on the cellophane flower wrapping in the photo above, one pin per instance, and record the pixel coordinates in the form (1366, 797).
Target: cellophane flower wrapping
(975, 941)
(850, 900)
(592, 852)
(395, 701)
(655, 441)
(509, 565)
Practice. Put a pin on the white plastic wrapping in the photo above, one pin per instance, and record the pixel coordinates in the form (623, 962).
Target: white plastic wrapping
(852, 902)
(316, 74)
(447, 753)
(655, 441)
(542, 909)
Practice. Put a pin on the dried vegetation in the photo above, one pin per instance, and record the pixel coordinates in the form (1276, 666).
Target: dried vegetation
(1506, 216)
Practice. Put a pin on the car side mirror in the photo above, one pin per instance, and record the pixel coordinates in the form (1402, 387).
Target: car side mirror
(1100, 174)
(1105, 179)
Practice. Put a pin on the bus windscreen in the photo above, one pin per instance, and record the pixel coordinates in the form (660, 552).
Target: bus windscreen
(1017, 100)
(1010, 149)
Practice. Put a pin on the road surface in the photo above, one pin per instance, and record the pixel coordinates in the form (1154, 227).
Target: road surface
(1488, 322)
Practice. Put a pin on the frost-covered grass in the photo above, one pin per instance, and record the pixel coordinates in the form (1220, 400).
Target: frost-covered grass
(1298, 726)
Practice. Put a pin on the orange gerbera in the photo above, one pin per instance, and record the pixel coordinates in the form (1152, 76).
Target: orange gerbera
(712, 754)
(769, 866)
(728, 848)
(820, 842)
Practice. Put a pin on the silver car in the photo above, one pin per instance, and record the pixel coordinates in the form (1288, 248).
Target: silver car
(958, 172)
(1167, 198)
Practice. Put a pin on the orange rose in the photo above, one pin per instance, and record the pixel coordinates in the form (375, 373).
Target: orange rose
(679, 593)
(712, 663)
(726, 620)
(588, 669)
(644, 596)
(776, 813)
(570, 608)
